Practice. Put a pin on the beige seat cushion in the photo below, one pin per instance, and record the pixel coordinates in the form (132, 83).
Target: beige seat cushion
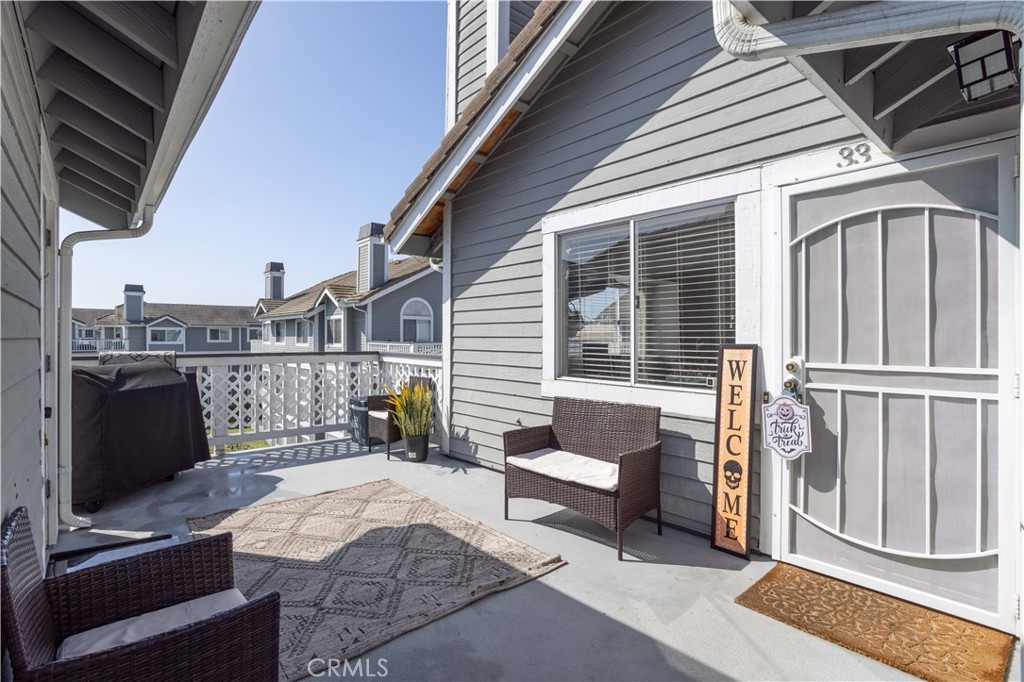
(565, 466)
(379, 414)
(148, 624)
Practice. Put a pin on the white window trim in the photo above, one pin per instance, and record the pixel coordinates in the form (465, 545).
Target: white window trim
(744, 189)
(451, 51)
(309, 332)
(227, 340)
(402, 317)
(497, 32)
(179, 342)
(338, 316)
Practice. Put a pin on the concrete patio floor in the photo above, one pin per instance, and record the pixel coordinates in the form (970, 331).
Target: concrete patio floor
(665, 613)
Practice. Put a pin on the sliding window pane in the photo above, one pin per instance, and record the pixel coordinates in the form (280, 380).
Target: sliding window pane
(595, 271)
(686, 282)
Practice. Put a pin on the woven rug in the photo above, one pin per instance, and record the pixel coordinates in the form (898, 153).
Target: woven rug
(360, 566)
(917, 640)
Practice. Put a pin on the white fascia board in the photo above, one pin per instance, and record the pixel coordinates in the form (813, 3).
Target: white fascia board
(522, 78)
(320, 299)
(218, 37)
(164, 318)
(390, 289)
(270, 317)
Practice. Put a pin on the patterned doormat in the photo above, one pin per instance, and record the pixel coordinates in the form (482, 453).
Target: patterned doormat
(916, 640)
(360, 566)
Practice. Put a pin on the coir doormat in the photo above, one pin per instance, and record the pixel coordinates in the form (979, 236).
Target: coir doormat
(914, 639)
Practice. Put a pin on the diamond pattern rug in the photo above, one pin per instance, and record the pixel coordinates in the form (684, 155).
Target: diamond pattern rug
(925, 643)
(360, 566)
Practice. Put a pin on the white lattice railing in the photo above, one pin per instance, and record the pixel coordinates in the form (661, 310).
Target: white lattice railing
(97, 345)
(390, 347)
(396, 369)
(257, 397)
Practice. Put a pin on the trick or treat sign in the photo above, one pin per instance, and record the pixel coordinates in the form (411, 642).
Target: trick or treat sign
(786, 427)
(734, 423)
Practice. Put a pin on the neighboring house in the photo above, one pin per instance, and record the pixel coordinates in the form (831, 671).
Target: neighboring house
(89, 337)
(381, 305)
(100, 103)
(830, 197)
(184, 328)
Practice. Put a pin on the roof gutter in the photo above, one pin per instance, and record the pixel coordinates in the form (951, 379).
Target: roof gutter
(872, 24)
(66, 251)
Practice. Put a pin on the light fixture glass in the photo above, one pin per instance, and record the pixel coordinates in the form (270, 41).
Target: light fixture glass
(984, 64)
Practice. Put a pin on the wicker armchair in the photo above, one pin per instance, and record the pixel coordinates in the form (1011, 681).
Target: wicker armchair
(382, 427)
(39, 614)
(626, 436)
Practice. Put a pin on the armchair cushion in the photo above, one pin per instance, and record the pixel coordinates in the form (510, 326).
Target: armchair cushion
(566, 466)
(149, 624)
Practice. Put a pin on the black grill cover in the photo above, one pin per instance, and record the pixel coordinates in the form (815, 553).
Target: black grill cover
(132, 425)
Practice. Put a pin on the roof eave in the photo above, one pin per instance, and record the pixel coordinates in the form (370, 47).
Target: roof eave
(218, 36)
(498, 110)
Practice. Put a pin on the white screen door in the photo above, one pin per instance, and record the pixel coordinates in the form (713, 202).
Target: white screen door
(901, 311)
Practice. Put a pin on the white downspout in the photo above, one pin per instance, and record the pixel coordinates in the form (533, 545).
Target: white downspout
(67, 247)
(871, 24)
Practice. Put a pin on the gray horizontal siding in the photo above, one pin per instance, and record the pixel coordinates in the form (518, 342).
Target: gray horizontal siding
(648, 100)
(470, 52)
(21, 424)
(195, 341)
(519, 14)
(386, 311)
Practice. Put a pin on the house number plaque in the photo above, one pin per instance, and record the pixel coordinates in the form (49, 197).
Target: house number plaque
(734, 424)
(786, 427)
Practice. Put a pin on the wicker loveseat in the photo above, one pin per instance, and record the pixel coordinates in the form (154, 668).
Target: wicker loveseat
(600, 459)
(110, 622)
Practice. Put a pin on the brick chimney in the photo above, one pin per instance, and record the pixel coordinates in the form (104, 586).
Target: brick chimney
(273, 280)
(134, 308)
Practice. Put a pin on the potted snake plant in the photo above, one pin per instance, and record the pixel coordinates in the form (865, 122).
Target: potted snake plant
(413, 408)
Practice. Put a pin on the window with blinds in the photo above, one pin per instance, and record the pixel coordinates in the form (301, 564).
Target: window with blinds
(648, 302)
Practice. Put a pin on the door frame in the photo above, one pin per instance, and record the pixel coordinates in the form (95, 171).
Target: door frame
(779, 201)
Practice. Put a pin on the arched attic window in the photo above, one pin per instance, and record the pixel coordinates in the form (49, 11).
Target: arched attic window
(417, 321)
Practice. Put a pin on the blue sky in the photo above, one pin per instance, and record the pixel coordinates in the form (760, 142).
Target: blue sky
(327, 114)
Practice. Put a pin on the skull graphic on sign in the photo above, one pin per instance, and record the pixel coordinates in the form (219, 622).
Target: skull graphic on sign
(733, 472)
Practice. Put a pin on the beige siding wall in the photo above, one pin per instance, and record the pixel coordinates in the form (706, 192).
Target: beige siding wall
(21, 480)
(648, 100)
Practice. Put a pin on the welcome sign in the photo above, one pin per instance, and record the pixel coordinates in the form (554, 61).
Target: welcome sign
(734, 425)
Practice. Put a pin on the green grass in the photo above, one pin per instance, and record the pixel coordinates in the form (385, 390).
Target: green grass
(240, 447)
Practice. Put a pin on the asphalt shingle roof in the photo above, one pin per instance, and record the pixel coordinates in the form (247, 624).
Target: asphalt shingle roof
(193, 315)
(342, 288)
(89, 315)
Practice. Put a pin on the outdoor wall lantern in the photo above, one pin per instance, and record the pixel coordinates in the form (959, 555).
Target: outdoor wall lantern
(984, 64)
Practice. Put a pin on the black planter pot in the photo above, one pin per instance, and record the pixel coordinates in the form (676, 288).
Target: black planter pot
(416, 448)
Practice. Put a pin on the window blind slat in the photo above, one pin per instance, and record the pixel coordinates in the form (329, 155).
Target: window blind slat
(685, 296)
